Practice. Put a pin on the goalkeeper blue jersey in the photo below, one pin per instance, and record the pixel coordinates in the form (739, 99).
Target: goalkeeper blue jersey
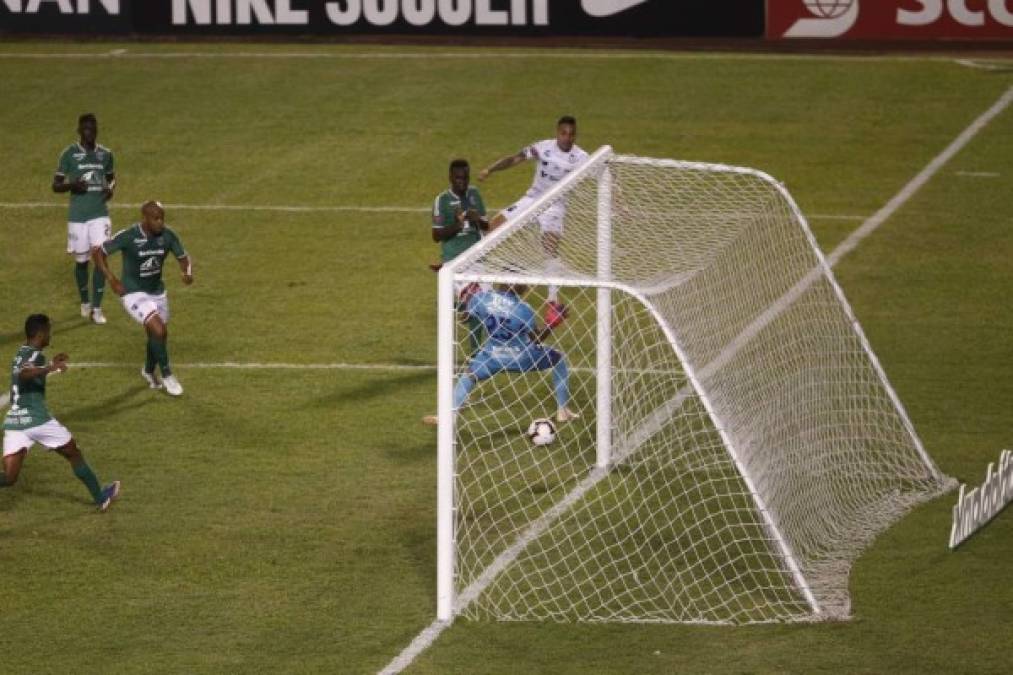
(508, 320)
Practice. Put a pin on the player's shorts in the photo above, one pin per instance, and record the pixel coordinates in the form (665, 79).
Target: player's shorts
(83, 237)
(492, 359)
(550, 220)
(51, 434)
(140, 306)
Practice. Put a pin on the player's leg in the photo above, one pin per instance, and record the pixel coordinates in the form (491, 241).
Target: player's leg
(481, 367)
(16, 445)
(141, 309)
(551, 223)
(102, 497)
(77, 246)
(99, 230)
(540, 358)
(158, 348)
(509, 212)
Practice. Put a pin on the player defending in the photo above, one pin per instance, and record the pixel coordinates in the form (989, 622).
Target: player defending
(28, 421)
(86, 172)
(513, 345)
(145, 246)
(556, 157)
(458, 222)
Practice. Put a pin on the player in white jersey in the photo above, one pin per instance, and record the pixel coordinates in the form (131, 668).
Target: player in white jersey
(555, 157)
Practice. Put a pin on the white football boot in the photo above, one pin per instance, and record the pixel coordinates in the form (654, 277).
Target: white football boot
(172, 385)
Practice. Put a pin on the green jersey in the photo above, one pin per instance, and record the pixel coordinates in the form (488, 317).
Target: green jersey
(143, 257)
(93, 166)
(445, 208)
(28, 398)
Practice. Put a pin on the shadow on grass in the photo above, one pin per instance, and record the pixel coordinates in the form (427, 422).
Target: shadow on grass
(375, 387)
(125, 400)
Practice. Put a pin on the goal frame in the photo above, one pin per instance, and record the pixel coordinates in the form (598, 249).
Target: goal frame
(447, 602)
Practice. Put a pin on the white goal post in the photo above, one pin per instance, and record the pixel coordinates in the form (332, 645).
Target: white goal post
(738, 443)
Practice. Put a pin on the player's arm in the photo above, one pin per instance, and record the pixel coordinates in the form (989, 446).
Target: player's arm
(503, 163)
(443, 231)
(477, 216)
(61, 184)
(59, 364)
(186, 269)
(101, 260)
(107, 191)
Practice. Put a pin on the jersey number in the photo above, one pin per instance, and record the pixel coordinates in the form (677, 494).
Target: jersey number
(499, 328)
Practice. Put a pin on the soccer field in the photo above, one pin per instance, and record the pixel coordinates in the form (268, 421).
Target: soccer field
(280, 516)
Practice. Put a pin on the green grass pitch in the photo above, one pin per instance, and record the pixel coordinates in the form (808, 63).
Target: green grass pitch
(282, 519)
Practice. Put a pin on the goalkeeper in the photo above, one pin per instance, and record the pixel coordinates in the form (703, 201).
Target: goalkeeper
(513, 345)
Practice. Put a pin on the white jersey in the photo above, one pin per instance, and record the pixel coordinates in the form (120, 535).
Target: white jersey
(553, 164)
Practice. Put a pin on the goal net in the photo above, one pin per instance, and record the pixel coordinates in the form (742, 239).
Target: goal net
(738, 443)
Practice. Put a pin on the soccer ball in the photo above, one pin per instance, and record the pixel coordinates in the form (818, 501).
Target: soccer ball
(542, 431)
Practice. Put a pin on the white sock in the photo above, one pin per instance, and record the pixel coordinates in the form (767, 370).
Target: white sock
(554, 268)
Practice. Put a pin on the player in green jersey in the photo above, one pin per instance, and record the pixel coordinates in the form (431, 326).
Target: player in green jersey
(86, 171)
(145, 246)
(28, 420)
(459, 219)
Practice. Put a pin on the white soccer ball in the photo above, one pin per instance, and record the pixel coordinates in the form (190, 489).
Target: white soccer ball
(542, 431)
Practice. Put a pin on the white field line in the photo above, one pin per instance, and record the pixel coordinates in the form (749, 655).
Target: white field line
(978, 174)
(498, 55)
(314, 209)
(429, 635)
(985, 65)
(916, 183)
(236, 365)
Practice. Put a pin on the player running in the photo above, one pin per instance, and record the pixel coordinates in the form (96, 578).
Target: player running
(145, 246)
(556, 157)
(513, 345)
(86, 171)
(28, 420)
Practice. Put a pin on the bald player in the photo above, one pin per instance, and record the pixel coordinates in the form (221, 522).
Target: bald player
(145, 246)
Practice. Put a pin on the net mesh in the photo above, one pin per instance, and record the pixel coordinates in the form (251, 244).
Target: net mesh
(755, 447)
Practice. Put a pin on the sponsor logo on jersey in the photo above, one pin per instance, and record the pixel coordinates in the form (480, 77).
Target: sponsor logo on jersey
(150, 267)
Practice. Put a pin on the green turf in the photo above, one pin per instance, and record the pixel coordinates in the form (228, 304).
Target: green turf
(284, 520)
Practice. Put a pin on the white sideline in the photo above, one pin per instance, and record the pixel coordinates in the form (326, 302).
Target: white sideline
(429, 635)
(313, 209)
(494, 54)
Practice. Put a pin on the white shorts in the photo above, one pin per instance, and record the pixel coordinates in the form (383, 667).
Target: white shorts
(140, 306)
(83, 237)
(550, 220)
(52, 434)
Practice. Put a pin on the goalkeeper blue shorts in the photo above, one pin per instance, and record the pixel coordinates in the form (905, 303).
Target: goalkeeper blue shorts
(492, 359)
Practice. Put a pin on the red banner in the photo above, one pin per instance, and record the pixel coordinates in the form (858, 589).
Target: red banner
(890, 19)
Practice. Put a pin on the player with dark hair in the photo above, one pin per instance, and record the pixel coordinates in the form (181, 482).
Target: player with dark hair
(458, 222)
(28, 420)
(85, 170)
(145, 246)
(555, 158)
(514, 345)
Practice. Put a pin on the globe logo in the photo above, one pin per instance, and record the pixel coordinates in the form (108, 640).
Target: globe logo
(828, 9)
